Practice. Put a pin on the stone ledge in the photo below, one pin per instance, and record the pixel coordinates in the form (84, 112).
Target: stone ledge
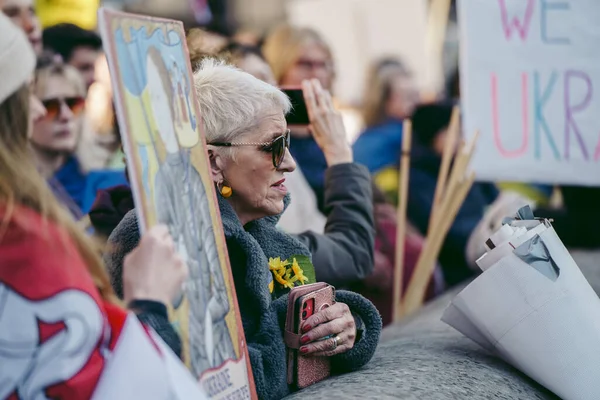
(422, 358)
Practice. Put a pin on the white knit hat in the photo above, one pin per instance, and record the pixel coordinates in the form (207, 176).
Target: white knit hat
(17, 59)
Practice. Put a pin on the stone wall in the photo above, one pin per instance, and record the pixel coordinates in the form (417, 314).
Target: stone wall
(422, 358)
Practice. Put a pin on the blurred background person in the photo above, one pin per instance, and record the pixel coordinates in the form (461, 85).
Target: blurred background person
(61, 90)
(390, 97)
(481, 212)
(202, 43)
(298, 54)
(22, 13)
(250, 59)
(248, 37)
(82, 49)
(78, 48)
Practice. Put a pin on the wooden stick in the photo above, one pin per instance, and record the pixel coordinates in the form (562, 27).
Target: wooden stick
(447, 155)
(461, 162)
(453, 198)
(401, 220)
(457, 174)
(450, 185)
(425, 266)
(85, 222)
(426, 263)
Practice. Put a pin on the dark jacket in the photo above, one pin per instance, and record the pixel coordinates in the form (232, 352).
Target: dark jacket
(576, 222)
(263, 319)
(425, 165)
(110, 208)
(344, 254)
(379, 146)
(78, 189)
(155, 315)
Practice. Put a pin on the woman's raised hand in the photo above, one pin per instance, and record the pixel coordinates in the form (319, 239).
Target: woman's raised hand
(154, 270)
(326, 124)
(329, 332)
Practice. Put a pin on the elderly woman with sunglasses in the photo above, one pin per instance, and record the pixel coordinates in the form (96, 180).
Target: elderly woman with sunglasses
(56, 134)
(248, 147)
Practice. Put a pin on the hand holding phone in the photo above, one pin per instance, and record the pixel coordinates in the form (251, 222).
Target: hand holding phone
(303, 302)
(326, 124)
(328, 332)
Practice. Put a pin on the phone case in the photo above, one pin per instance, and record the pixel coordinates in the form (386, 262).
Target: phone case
(299, 112)
(305, 371)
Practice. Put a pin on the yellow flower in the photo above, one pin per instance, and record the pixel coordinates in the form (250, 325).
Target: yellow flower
(275, 264)
(278, 268)
(282, 281)
(298, 273)
(285, 274)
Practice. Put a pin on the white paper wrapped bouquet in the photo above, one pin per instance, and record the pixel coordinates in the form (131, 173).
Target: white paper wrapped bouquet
(533, 307)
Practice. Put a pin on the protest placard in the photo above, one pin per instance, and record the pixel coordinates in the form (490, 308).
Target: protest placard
(161, 128)
(529, 70)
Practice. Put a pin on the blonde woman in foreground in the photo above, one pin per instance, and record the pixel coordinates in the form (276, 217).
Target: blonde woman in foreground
(59, 318)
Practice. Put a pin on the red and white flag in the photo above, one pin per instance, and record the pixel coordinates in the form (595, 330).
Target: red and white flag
(142, 366)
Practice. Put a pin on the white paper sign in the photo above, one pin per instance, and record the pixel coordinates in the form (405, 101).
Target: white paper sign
(137, 370)
(530, 76)
(548, 329)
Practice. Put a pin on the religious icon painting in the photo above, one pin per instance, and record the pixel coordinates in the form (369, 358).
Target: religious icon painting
(168, 167)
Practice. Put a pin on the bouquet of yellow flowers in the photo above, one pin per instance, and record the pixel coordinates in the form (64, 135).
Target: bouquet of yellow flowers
(288, 274)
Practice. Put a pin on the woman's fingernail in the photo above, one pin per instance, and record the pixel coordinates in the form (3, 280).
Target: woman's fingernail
(304, 350)
(304, 339)
(306, 328)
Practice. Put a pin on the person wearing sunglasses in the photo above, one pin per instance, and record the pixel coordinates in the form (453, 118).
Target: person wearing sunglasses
(59, 317)
(276, 147)
(341, 240)
(248, 149)
(61, 90)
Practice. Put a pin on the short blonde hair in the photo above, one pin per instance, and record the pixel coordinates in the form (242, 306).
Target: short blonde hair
(233, 102)
(284, 44)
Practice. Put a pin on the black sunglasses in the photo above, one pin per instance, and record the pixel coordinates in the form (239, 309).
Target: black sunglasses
(276, 147)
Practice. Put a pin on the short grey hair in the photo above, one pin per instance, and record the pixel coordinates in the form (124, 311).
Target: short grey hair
(232, 102)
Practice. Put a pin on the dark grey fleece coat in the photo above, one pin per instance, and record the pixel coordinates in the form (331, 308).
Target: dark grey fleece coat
(263, 319)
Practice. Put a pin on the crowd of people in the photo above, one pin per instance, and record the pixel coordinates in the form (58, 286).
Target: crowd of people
(62, 193)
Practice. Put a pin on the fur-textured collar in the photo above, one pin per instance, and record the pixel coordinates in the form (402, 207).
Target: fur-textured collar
(259, 240)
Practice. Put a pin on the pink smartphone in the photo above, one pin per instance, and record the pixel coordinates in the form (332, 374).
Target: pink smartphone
(304, 301)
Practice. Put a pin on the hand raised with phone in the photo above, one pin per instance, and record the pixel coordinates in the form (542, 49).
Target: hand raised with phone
(326, 124)
(154, 270)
